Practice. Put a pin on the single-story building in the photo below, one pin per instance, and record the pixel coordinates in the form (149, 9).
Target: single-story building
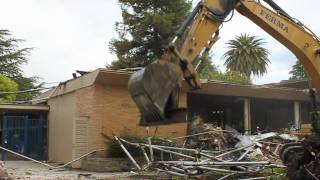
(246, 107)
(85, 108)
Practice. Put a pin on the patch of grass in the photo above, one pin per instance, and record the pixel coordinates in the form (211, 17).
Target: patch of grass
(274, 171)
(278, 177)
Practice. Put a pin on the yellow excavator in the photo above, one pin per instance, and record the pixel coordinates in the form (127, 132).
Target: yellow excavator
(155, 88)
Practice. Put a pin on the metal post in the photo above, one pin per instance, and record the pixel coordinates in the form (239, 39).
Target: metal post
(297, 114)
(173, 152)
(26, 135)
(150, 149)
(229, 163)
(247, 116)
(235, 150)
(145, 154)
(41, 138)
(244, 154)
(218, 170)
(127, 153)
(48, 165)
(4, 135)
(165, 149)
(177, 169)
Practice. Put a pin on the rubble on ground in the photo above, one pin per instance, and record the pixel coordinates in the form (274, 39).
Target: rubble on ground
(209, 149)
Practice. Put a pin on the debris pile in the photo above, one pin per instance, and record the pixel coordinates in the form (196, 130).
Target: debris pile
(211, 150)
(205, 136)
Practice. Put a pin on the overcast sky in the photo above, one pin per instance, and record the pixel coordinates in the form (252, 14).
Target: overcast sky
(71, 35)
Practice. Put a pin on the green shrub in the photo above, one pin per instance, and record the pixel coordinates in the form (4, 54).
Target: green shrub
(114, 150)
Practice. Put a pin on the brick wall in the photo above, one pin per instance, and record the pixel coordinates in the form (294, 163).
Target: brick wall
(90, 104)
(121, 113)
(112, 111)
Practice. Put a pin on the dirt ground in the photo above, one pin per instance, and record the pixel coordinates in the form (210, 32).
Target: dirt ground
(31, 170)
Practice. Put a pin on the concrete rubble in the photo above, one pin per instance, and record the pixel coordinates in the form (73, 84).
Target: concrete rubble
(212, 150)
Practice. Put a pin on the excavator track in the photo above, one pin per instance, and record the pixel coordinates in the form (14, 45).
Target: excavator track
(302, 159)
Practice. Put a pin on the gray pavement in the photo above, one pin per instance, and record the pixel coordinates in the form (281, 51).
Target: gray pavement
(31, 170)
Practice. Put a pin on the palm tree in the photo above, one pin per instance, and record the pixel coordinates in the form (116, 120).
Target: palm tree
(247, 55)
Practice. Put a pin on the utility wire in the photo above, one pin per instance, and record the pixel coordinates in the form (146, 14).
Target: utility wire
(50, 82)
(25, 91)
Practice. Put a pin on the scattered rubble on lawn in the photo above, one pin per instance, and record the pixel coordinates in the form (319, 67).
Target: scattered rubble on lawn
(211, 150)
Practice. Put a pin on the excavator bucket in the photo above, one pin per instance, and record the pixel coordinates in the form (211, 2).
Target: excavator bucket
(155, 90)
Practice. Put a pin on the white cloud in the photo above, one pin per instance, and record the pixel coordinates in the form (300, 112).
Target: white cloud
(73, 34)
(67, 35)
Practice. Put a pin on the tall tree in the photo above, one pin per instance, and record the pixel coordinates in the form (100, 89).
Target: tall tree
(12, 57)
(298, 72)
(246, 55)
(146, 29)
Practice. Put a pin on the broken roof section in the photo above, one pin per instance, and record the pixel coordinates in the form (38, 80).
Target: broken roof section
(298, 84)
(120, 78)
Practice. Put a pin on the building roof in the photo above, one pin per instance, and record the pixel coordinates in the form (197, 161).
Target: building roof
(253, 91)
(99, 76)
(24, 107)
(43, 97)
(120, 78)
(298, 84)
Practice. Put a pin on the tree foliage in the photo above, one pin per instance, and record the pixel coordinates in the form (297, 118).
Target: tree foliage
(7, 85)
(246, 55)
(25, 83)
(146, 29)
(298, 72)
(211, 72)
(12, 57)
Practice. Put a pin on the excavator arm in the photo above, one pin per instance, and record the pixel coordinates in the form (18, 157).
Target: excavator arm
(155, 89)
(290, 32)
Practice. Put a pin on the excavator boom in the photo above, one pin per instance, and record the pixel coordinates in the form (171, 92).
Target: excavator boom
(155, 89)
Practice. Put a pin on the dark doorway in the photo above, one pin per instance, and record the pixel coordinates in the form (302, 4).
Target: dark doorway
(24, 133)
(219, 110)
